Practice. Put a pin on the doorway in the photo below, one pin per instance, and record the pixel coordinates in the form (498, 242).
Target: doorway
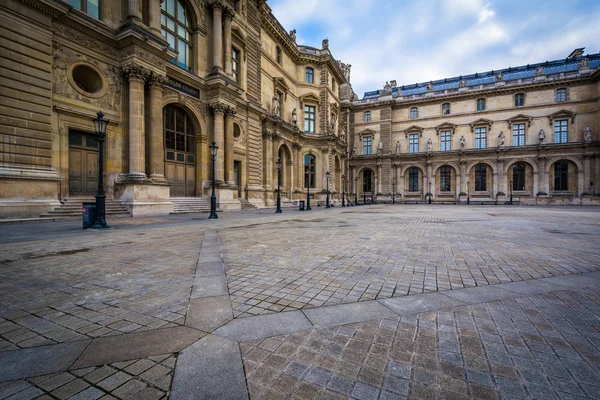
(83, 163)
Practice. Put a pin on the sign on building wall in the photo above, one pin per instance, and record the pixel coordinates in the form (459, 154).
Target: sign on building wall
(182, 87)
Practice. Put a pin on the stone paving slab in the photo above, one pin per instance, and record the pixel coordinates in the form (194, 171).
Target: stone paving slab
(323, 317)
(209, 313)
(532, 287)
(420, 303)
(18, 364)
(211, 368)
(210, 286)
(482, 294)
(264, 326)
(136, 345)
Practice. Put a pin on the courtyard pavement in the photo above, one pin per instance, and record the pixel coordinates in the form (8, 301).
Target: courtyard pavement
(372, 302)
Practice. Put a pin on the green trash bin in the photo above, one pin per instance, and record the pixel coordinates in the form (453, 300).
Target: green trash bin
(88, 214)
(301, 205)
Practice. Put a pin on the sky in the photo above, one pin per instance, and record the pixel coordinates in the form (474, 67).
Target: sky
(422, 40)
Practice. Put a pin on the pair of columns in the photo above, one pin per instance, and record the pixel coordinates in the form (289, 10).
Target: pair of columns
(222, 17)
(137, 77)
(223, 117)
(134, 12)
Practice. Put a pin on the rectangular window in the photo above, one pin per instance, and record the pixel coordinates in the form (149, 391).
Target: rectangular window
(309, 119)
(519, 100)
(560, 131)
(445, 140)
(367, 145)
(310, 75)
(446, 108)
(518, 134)
(445, 179)
(561, 95)
(413, 179)
(367, 116)
(235, 59)
(414, 113)
(480, 104)
(413, 143)
(480, 138)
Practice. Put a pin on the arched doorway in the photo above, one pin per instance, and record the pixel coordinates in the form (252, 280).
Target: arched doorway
(180, 151)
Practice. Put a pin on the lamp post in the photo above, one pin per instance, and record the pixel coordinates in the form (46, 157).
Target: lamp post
(213, 199)
(468, 192)
(430, 194)
(327, 205)
(307, 169)
(100, 125)
(511, 190)
(356, 191)
(278, 210)
(394, 191)
(343, 190)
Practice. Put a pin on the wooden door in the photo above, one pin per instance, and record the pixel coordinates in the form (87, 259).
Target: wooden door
(83, 164)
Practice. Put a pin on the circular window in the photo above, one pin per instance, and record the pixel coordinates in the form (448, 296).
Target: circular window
(87, 80)
(237, 132)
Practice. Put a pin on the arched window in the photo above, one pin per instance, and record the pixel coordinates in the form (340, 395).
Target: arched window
(518, 177)
(309, 75)
(414, 113)
(309, 171)
(445, 179)
(519, 99)
(90, 7)
(561, 95)
(278, 54)
(413, 179)
(367, 180)
(445, 108)
(480, 177)
(180, 151)
(561, 175)
(179, 130)
(175, 27)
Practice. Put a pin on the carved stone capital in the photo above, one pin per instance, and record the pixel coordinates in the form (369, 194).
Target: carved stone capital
(220, 4)
(230, 112)
(217, 108)
(133, 72)
(325, 150)
(296, 146)
(228, 13)
(156, 80)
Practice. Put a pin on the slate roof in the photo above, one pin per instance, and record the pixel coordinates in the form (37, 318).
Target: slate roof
(483, 78)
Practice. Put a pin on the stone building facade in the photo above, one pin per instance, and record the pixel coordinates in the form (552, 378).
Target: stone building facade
(171, 76)
(529, 131)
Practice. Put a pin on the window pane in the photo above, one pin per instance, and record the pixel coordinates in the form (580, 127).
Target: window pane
(93, 9)
(182, 58)
(171, 7)
(75, 3)
(171, 24)
(180, 12)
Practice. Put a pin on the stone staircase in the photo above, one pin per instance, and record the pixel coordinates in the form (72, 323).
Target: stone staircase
(246, 205)
(71, 209)
(186, 205)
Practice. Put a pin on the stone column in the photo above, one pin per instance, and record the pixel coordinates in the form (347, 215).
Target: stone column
(587, 174)
(268, 160)
(229, 173)
(428, 180)
(218, 111)
(463, 176)
(136, 76)
(134, 10)
(154, 16)
(542, 184)
(458, 184)
(217, 7)
(597, 173)
(400, 181)
(156, 143)
(378, 178)
(228, 17)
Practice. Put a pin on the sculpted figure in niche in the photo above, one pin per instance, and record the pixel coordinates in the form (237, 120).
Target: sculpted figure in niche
(276, 109)
(332, 125)
(587, 134)
(380, 147)
(541, 136)
(429, 145)
(462, 142)
(398, 148)
(501, 138)
(294, 117)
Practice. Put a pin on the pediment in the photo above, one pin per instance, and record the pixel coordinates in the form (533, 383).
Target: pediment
(520, 118)
(446, 126)
(280, 83)
(562, 114)
(481, 122)
(309, 97)
(366, 132)
(414, 129)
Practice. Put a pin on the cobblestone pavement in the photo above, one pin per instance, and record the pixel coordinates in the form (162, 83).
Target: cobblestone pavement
(361, 254)
(144, 379)
(545, 346)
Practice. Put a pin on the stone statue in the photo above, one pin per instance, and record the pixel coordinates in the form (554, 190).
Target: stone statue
(325, 44)
(380, 147)
(353, 152)
(345, 70)
(429, 145)
(387, 89)
(294, 117)
(541, 136)
(587, 134)
(276, 109)
(332, 125)
(398, 148)
(501, 138)
(462, 142)
(293, 35)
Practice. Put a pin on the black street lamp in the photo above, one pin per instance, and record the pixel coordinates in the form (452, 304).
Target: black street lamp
(343, 190)
(278, 210)
(468, 192)
(327, 175)
(100, 125)
(511, 190)
(394, 191)
(430, 194)
(213, 198)
(307, 169)
(356, 191)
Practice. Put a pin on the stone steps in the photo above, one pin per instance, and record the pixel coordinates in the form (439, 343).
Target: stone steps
(71, 209)
(185, 205)
(247, 206)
